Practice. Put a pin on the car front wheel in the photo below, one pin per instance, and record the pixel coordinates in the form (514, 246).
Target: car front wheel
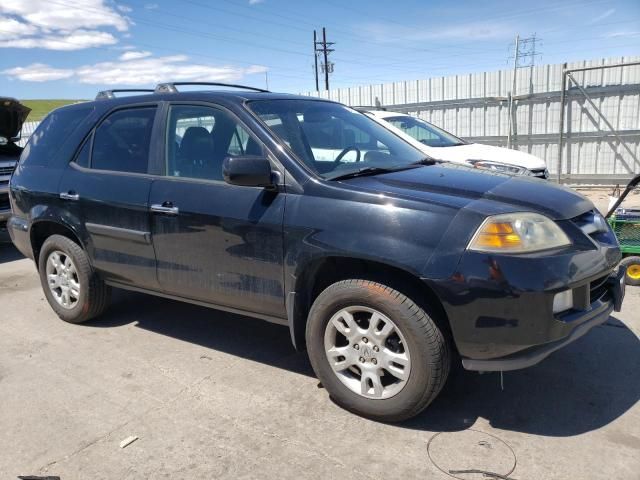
(376, 351)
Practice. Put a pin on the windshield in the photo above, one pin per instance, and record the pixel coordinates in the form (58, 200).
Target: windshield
(425, 132)
(333, 140)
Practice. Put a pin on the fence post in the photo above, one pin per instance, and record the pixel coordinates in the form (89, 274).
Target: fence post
(562, 100)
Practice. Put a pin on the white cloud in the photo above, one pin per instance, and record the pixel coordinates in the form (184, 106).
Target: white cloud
(151, 6)
(60, 26)
(76, 40)
(623, 33)
(62, 16)
(38, 72)
(136, 71)
(255, 2)
(604, 15)
(124, 8)
(10, 28)
(134, 55)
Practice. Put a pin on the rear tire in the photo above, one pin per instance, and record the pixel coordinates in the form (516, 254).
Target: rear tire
(364, 368)
(73, 289)
(632, 277)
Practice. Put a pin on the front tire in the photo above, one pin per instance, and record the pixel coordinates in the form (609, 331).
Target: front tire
(375, 350)
(75, 292)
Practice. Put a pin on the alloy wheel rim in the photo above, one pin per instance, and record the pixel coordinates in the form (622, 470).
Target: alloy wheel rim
(62, 279)
(367, 352)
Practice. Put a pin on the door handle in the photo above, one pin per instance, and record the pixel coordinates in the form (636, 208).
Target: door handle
(167, 208)
(70, 195)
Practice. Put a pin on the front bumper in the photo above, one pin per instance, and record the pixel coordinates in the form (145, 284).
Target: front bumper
(534, 355)
(500, 309)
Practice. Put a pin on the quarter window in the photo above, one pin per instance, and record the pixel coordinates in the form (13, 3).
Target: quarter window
(121, 142)
(52, 133)
(199, 138)
(84, 155)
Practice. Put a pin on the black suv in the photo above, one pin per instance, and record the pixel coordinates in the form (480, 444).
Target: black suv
(384, 264)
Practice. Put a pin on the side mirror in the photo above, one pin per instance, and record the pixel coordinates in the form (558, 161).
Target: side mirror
(247, 171)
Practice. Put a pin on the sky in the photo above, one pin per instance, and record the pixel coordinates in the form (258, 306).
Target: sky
(74, 48)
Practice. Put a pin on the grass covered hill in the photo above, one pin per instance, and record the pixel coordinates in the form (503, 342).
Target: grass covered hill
(40, 108)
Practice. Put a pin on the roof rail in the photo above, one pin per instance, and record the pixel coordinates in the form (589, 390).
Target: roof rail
(171, 86)
(367, 108)
(109, 94)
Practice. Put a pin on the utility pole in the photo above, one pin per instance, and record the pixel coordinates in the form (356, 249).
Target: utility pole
(525, 48)
(327, 66)
(514, 85)
(315, 57)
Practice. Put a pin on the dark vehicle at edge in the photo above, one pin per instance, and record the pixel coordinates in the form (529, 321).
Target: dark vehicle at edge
(385, 265)
(12, 116)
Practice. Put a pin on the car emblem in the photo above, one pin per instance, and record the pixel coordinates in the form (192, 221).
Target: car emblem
(600, 223)
(366, 353)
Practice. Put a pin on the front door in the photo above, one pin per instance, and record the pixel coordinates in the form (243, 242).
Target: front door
(107, 188)
(215, 242)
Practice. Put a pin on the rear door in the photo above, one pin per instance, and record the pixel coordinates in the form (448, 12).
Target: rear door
(107, 187)
(215, 242)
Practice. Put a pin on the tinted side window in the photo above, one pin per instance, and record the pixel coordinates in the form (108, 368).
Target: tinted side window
(82, 158)
(121, 142)
(52, 133)
(199, 138)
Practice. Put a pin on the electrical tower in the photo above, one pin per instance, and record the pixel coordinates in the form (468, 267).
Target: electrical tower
(524, 56)
(322, 48)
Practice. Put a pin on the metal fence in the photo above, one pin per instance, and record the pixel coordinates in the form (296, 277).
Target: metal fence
(27, 130)
(475, 106)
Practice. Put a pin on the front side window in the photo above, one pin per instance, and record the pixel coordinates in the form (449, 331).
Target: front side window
(425, 132)
(121, 142)
(333, 140)
(199, 138)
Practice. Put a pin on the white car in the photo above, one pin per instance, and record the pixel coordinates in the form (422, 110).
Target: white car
(441, 145)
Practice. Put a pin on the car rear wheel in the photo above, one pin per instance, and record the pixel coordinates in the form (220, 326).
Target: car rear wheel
(375, 350)
(74, 291)
(632, 277)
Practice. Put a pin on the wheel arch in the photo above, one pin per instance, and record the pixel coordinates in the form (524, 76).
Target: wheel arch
(44, 228)
(317, 274)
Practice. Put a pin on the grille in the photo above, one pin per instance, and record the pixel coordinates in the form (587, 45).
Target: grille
(4, 202)
(6, 170)
(597, 288)
(591, 222)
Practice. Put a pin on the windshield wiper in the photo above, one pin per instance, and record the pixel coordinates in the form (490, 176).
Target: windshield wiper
(426, 161)
(362, 172)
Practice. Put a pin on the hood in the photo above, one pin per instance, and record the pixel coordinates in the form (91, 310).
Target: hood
(478, 151)
(12, 116)
(457, 186)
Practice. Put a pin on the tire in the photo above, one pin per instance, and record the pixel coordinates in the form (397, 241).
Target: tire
(632, 277)
(421, 342)
(90, 298)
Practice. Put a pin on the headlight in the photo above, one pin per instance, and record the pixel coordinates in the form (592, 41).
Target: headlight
(499, 167)
(518, 233)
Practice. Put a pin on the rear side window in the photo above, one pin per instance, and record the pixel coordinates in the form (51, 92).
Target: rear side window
(121, 142)
(52, 133)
